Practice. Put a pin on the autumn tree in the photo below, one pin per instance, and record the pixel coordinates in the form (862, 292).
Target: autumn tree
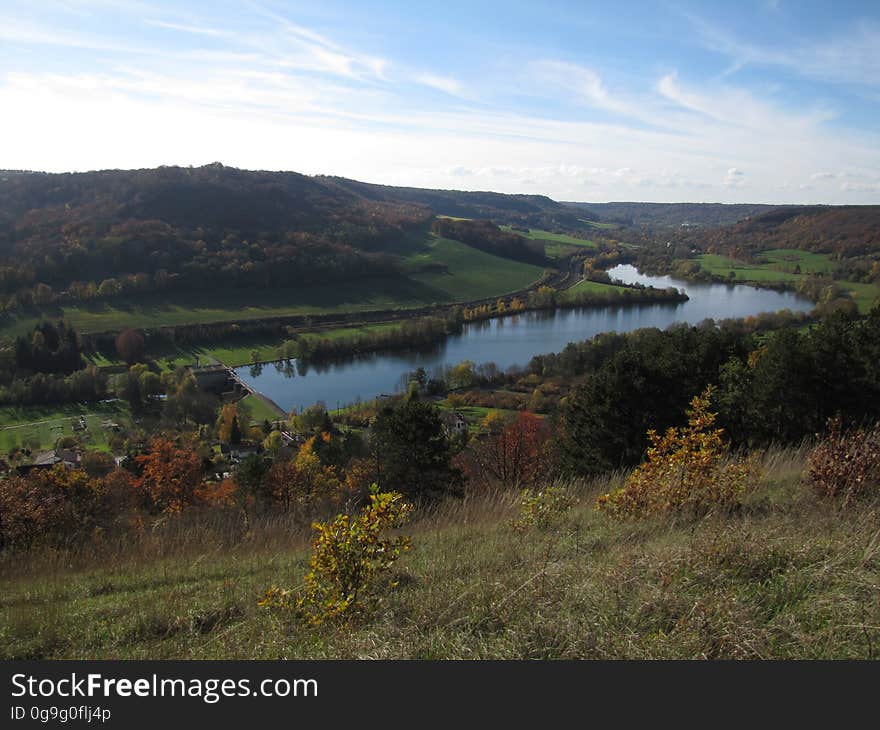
(169, 477)
(130, 346)
(514, 457)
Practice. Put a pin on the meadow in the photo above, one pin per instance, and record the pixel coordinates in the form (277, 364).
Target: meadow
(787, 576)
(556, 245)
(788, 265)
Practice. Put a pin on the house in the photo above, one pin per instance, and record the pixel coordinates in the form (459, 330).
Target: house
(454, 424)
(213, 378)
(43, 460)
(71, 458)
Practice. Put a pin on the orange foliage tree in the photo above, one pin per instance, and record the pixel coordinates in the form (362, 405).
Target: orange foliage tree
(59, 505)
(169, 476)
(514, 457)
(303, 483)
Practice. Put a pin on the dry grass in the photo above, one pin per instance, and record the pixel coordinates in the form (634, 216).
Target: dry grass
(787, 576)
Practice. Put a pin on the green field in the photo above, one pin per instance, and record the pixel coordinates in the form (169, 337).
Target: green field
(261, 410)
(555, 244)
(585, 285)
(788, 259)
(865, 295)
(722, 266)
(39, 427)
(538, 235)
(470, 273)
(780, 265)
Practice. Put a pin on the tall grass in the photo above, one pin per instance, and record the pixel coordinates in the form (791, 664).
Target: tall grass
(789, 575)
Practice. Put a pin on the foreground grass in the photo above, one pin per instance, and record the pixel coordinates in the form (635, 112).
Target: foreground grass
(787, 577)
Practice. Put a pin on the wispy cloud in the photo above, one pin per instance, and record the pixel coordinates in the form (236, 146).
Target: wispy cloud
(194, 29)
(446, 84)
(850, 57)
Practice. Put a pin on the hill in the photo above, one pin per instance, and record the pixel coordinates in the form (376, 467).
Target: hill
(121, 238)
(673, 214)
(531, 210)
(845, 231)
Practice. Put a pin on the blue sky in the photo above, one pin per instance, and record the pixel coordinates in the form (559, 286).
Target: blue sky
(764, 101)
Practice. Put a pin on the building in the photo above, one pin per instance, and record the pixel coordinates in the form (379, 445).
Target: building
(213, 378)
(454, 424)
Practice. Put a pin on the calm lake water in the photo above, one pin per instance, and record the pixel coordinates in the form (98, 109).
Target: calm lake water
(511, 340)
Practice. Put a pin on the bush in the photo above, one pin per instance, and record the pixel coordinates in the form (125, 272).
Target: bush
(543, 508)
(845, 465)
(687, 470)
(348, 554)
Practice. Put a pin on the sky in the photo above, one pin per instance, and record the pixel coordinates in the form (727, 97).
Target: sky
(772, 101)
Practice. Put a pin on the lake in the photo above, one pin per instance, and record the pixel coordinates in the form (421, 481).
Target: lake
(512, 340)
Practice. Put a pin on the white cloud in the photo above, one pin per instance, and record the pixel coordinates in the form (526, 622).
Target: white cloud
(194, 29)
(446, 84)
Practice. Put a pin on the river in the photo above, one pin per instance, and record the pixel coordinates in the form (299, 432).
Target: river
(512, 340)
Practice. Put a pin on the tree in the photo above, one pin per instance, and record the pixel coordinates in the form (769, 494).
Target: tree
(169, 476)
(130, 346)
(412, 453)
(515, 457)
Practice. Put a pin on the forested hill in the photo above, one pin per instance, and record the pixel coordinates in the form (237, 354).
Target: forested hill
(538, 211)
(703, 215)
(846, 231)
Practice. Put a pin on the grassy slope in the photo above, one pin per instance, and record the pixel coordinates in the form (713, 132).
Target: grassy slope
(472, 275)
(261, 410)
(555, 244)
(787, 577)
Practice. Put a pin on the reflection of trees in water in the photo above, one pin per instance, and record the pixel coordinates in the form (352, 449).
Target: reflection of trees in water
(285, 368)
(256, 370)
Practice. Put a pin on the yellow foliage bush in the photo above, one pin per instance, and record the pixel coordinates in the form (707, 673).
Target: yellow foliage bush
(543, 508)
(688, 469)
(348, 554)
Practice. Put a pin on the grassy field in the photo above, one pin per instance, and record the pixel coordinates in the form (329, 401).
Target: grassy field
(261, 410)
(722, 266)
(234, 352)
(780, 265)
(787, 577)
(865, 295)
(585, 286)
(39, 427)
(469, 274)
(555, 244)
(788, 259)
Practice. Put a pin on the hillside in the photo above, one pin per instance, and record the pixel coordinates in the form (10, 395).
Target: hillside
(845, 231)
(788, 577)
(664, 215)
(186, 245)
